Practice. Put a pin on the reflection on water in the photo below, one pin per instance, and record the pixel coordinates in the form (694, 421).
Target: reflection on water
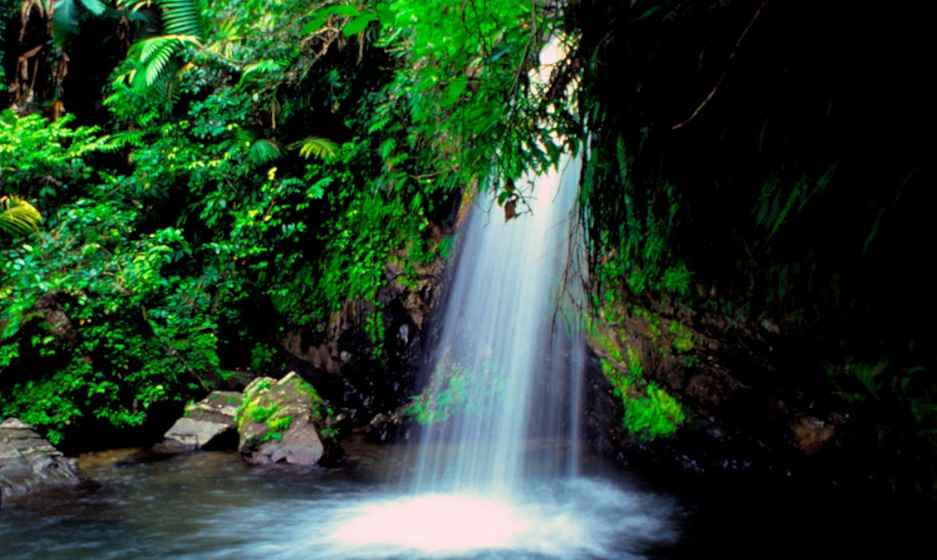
(211, 506)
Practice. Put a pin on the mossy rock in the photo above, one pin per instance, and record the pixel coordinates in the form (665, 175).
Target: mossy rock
(280, 421)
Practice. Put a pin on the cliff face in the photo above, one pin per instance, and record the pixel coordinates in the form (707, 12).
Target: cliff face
(755, 401)
(368, 359)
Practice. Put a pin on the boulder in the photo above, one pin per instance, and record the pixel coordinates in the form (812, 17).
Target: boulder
(208, 424)
(280, 421)
(29, 463)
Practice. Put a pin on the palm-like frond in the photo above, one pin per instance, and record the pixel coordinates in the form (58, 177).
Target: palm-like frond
(181, 17)
(181, 25)
(264, 151)
(157, 53)
(18, 217)
(315, 146)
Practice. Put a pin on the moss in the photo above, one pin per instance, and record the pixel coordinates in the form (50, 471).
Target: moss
(329, 433)
(653, 415)
(635, 368)
(602, 339)
(682, 337)
(276, 427)
(259, 413)
(653, 320)
(274, 403)
(649, 411)
(320, 410)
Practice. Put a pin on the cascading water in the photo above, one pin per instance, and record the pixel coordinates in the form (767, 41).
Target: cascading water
(496, 469)
(508, 366)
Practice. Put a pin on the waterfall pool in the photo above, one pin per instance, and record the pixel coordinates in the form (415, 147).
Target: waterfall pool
(211, 506)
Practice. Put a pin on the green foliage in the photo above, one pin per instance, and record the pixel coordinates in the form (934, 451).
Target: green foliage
(320, 148)
(682, 337)
(48, 162)
(904, 395)
(446, 394)
(649, 411)
(259, 189)
(656, 414)
(638, 249)
(18, 217)
(276, 427)
(463, 79)
(154, 57)
(136, 333)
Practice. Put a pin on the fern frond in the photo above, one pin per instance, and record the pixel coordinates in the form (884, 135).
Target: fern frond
(318, 147)
(181, 17)
(181, 25)
(18, 217)
(263, 152)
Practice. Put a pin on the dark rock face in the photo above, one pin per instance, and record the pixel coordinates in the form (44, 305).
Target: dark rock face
(745, 411)
(209, 424)
(389, 427)
(29, 463)
(279, 422)
(361, 372)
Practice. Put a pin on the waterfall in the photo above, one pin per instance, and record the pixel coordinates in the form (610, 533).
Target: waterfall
(508, 366)
(496, 466)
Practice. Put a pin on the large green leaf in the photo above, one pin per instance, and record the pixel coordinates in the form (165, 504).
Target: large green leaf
(318, 18)
(18, 217)
(314, 146)
(64, 21)
(96, 7)
(181, 17)
(359, 23)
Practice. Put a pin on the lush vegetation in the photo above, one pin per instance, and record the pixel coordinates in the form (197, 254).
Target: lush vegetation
(185, 183)
(233, 180)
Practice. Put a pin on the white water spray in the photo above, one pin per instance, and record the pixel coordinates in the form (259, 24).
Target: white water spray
(504, 388)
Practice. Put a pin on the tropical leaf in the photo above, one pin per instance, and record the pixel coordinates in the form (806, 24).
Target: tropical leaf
(181, 25)
(64, 20)
(158, 61)
(264, 151)
(318, 147)
(260, 69)
(181, 17)
(18, 217)
(358, 24)
(319, 17)
(156, 55)
(96, 7)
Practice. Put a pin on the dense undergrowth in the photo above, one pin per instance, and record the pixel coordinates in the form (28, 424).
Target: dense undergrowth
(246, 169)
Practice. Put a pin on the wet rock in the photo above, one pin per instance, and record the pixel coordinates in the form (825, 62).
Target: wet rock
(389, 427)
(209, 424)
(28, 462)
(365, 373)
(280, 422)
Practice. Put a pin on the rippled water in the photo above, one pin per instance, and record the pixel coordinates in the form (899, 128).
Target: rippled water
(210, 505)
